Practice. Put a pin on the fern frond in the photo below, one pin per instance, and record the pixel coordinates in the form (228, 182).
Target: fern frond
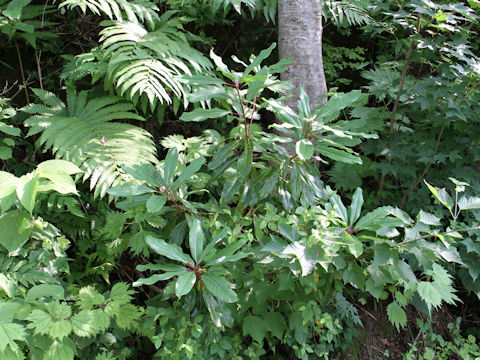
(145, 65)
(84, 132)
(136, 11)
(346, 12)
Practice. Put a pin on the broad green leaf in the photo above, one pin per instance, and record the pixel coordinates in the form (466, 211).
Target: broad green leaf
(304, 149)
(338, 155)
(469, 202)
(185, 283)
(84, 324)
(201, 80)
(275, 323)
(173, 252)
(219, 287)
(405, 271)
(216, 92)
(441, 195)
(27, 191)
(46, 290)
(9, 129)
(60, 329)
(59, 351)
(219, 313)
(255, 327)
(170, 165)
(58, 167)
(40, 321)
(428, 218)
(355, 207)
(195, 237)
(204, 114)
(305, 256)
(129, 190)
(9, 333)
(61, 183)
(5, 152)
(9, 184)
(13, 234)
(155, 203)
(244, 163)
(14, 9)
(189, 171)
(396, 315)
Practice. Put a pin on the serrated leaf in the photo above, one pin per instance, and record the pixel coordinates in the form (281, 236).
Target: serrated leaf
(396, 315)
(9, 333)
(254, 326)
(405, 271)
(304, 149)
(185, 283)
(84, 324)
(59, 351)
(441, 195)
(219, 287)
(469, 203)
(428, 218)
(60, 329)
(173, 252)
(195, 237)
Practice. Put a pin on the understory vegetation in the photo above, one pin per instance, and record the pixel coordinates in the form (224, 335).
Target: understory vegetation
(159, 200)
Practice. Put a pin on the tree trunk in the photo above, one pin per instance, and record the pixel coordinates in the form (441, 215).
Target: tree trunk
(300, 36)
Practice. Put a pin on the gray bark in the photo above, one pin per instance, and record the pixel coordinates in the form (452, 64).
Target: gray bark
(300, 36)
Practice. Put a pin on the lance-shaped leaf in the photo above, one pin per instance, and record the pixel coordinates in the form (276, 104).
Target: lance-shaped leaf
(355, 207)
(219, 287)
(195, 237)
(198, 115)
(304, 149)
(188, 172)
(173, 252)
(170, 165)
(185, 283)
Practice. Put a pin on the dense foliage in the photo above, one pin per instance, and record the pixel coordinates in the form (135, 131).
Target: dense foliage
(160, 200)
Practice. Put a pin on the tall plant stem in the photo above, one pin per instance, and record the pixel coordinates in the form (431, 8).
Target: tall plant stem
(39, 69)
(400, 88)
(21, 71)
(420, 178)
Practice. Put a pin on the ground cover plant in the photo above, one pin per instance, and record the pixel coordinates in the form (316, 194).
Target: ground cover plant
(160, 199)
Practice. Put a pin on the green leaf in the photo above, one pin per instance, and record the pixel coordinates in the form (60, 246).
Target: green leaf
(275, 323)
(155, 203)
(429, 219)
(9, 129)
(9, 184)
(14, 9)
(13, 224)
(188, 172)
(338, 155)
(170, 165)
(303, 102)
(173, 252)
(265, 53)
(46, 290)
(59, 351)
(340, 208)
(470, 202)
(27, 191)
(185, 283)
(129, 190)
(58, 167)
(195, 237)
(441, 195)
(396, 315)
(84, 324)
(9, 333)
(355, 207)
(254, 326)
(5, 152)
(199, 114)
(405, 271)
(304, 149)
(219, 287)
(219, 313)
(157, 277)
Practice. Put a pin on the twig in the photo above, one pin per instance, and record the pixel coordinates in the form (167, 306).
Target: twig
(39, 69)
(21, 71)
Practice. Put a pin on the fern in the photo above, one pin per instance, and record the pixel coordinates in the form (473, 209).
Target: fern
(145, 65)
(136, 11)
(347, 12)
(84, 132)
